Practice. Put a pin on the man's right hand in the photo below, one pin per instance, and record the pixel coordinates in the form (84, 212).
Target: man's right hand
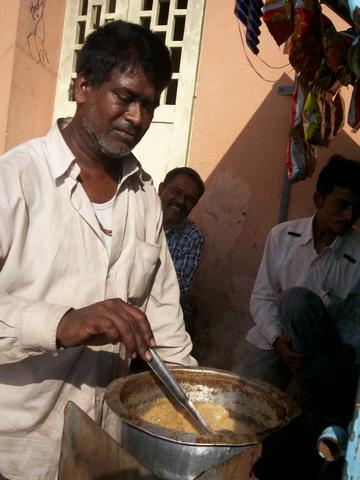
(282, 344)
(109, 321)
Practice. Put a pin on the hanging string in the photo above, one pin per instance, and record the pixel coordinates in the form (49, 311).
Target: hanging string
(263, 61)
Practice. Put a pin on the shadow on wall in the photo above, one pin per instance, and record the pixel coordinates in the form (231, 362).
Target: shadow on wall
(240, 205)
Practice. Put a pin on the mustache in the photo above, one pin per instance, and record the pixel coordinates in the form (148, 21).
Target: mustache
(126, 126)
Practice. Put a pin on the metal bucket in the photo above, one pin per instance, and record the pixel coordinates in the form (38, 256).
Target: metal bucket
(184, 456)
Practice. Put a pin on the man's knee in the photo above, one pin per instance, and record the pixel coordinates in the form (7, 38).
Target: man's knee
(304, 319)
(266, 365)
(297, 296)
(297, 302)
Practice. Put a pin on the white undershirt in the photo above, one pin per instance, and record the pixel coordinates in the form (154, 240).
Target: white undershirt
(103, 211)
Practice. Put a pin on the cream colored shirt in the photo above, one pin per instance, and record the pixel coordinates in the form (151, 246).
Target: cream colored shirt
(52, 257)
(290, 260)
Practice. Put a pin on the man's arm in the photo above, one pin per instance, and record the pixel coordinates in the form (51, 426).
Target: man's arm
(31, 326)
(109, 321)
(164, 312)
(264, 304)
(27, 327)
(265, 294)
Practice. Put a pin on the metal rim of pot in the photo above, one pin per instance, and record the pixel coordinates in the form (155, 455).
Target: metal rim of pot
(118, 388)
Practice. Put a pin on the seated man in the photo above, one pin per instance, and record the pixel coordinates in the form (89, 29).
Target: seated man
(305, 301)
(179, 193)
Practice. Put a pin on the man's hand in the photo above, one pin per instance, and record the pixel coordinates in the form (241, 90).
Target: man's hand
(109, 321)
(282, 344)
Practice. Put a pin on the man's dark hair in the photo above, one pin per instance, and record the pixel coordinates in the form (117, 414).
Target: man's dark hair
(190, 173)
(124, 45)
(341, 172)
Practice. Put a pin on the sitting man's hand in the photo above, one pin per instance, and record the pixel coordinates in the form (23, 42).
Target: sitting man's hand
(282, 344)
(109, 321)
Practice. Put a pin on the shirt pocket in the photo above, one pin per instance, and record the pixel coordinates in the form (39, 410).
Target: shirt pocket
(143, 271)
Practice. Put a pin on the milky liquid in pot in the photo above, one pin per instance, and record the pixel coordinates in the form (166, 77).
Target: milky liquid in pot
(163, 413)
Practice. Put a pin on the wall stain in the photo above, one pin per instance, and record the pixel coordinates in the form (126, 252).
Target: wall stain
(211, 214)
(36, 36)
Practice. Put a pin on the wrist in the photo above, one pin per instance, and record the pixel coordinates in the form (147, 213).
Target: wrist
(61, 329)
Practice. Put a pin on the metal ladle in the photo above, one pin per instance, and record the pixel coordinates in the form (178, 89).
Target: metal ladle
(178, 393)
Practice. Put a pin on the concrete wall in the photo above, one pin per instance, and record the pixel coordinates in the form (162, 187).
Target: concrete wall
(238, 145)
(31, 47)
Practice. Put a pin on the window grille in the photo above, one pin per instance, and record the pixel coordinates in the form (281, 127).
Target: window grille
(166, 18)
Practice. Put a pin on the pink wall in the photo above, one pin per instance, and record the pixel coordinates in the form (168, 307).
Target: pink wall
(8, 31)
(238, 145)
(33, 82)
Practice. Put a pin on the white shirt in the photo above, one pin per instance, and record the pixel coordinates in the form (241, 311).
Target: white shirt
(290, 260)
(53, 256)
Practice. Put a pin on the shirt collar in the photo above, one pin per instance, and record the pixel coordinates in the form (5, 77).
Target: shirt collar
(178, 227)
(339, 242)
(61, 157)
(307, 235)
(62, 160)
(130, 165)
(336, 244)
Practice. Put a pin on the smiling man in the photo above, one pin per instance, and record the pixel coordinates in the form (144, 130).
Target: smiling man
(179, 193)
(87, 281)
(305, 302)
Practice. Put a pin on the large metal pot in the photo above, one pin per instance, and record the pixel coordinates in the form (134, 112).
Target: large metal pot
(183, 456)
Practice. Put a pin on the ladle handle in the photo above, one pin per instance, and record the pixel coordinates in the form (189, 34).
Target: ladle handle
(162, 372)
